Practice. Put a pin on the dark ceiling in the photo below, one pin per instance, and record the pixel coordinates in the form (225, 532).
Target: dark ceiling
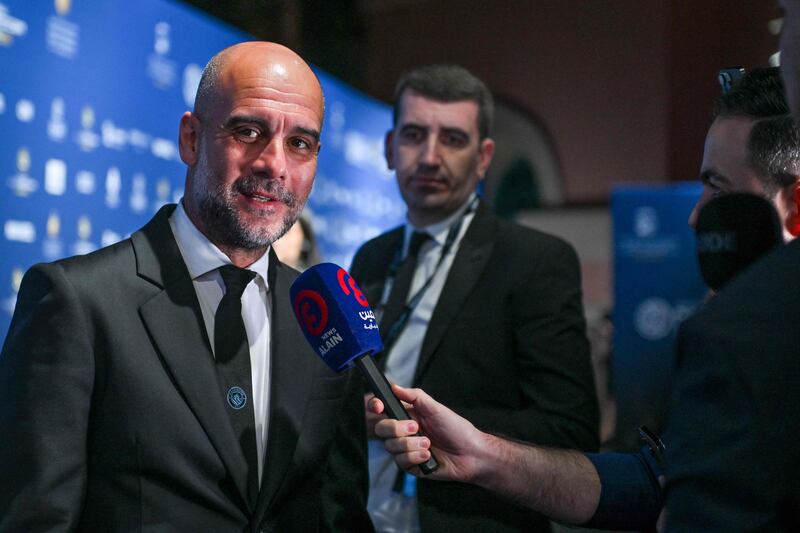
(329, 33)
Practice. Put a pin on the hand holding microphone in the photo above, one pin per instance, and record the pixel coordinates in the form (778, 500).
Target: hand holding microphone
(340, 326)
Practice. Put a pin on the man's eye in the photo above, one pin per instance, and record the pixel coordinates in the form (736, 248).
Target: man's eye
(715, 190)
(454, 140)
(247, 134)
(411, 135)
(299, 143)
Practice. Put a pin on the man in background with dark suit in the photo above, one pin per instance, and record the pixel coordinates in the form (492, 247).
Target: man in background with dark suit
(162, 384)
(484, 314)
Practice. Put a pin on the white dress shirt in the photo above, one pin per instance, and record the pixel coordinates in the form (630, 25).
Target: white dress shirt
(203, 260)
(401, 363)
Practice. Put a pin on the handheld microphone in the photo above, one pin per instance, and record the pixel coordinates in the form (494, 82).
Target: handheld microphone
(733, 231)
(340, 326)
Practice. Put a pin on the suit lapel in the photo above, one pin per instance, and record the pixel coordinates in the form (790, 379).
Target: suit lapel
(473, 254)
(291, 370)
(374, 279)
(187, 355)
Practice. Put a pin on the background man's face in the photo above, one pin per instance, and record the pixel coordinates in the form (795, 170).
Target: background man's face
(437, 155)
(726, 163)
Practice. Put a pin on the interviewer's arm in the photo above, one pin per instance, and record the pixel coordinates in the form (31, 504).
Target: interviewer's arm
(562, 484)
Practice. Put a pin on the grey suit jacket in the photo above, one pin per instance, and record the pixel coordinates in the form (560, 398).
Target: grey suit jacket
(111, 417)
(505, 348)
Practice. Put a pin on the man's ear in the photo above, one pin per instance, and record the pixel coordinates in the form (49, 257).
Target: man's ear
(187, 138)
(794, 224)
(485, 155)
(388, 150)
(787, 202)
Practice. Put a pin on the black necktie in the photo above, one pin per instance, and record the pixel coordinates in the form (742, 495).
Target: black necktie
(402, 283)
(232, 352)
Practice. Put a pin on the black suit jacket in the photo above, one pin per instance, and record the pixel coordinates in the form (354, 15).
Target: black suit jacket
(505, 348)
(111, 417)
(734, 429)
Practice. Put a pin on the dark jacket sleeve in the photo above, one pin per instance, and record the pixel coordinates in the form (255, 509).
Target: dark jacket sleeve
(631, 497)
(46, 380)
(551, 351)
(346, 479)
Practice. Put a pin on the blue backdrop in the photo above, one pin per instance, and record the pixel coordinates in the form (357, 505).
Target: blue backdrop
(90, 98)
(657, 284)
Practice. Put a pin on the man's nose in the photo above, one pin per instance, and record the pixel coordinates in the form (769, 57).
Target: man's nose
(696, 209)
(430, 151)
(271, 161)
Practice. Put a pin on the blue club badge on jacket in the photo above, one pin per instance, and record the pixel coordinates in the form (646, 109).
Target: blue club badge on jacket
(237, 398)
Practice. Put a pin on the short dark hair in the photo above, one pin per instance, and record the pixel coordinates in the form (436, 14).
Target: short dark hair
(774, 151)
(448, 83)
(758, 94)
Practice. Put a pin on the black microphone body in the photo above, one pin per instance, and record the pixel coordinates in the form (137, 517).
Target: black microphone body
(733, 231)
(340, 326)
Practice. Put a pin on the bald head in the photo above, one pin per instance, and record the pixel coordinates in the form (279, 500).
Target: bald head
(259, 62)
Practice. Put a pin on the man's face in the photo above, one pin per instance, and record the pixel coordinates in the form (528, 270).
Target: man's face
(726, 164)
(255, 153)
(437, 155)
(790, 53)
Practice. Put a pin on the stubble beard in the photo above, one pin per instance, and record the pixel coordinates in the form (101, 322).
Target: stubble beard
(227, 227)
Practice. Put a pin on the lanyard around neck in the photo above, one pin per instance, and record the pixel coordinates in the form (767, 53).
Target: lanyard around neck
(397, 327)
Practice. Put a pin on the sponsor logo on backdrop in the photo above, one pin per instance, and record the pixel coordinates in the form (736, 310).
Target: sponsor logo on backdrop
(22, 184)
(363, 151)
(374, 204)
(25, 110)
(163, 188)
(85, 182)
(53, 246)
(113, 187)
(113, 137)
(645, 222)
(10, 27)
(63, 7)
(109, 237)
(83, 245)
(161, 69)
(86, 138)
(56, 125)
(16, 280)
(655, 318)
(62, 36)
(19, 231)
(647, 242)
(138, 200)
(164, 149)
(55, 177)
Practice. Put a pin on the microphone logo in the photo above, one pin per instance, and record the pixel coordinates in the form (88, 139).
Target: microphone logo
(348, 284)
(312, 311)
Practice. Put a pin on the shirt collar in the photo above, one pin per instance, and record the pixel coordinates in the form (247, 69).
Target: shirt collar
(201, 255)
(439, 230)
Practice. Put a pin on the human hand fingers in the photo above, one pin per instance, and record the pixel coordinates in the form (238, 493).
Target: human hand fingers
(390, 428)
(374, 405)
